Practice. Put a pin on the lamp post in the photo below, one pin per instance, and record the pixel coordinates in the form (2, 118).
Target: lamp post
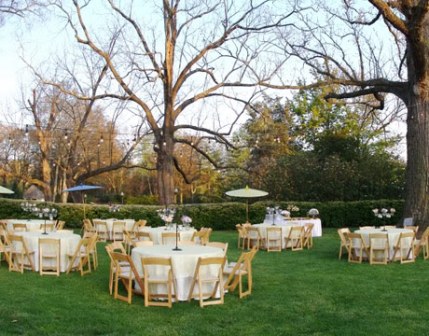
(122, 197)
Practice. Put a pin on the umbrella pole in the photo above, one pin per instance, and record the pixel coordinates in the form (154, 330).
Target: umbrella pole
(247, 211)
(84, 215)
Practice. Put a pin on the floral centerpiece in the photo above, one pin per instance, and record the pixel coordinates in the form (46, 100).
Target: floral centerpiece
(167, 215)
(313, 213)
(186, 221)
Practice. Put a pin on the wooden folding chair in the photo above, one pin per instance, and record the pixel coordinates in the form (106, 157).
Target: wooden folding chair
(208, 273)
(236, 272)
(118, 228)
(422, 244)
(295, 238)
(158, 272)
(80, 258)
(308, 235)
(114, 247)
(102, 230)
(20, 256)
(357, 248)
(254, 238)
(125, 272)
(404, 248)
(378, 245)
(4, 250)
(344, 243)
(50, 250)
(274, 239)
(241, 236)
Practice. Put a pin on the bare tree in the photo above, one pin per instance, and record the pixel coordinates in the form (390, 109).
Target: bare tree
(175, 61)
(371, 51)
(18, 8)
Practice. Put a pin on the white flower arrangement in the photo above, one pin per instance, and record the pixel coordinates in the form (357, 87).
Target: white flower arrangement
(186, 219)
(166, 214)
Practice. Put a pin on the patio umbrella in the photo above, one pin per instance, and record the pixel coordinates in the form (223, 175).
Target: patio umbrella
(4, 190)
(81, 188)
(247, 193)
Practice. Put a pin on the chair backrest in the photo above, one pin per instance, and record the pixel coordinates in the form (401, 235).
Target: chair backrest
(378, 240)
(356, 241)
(143, 235)
(60, 225)
(50, 248)
(118, 226)
(116, 247)
(296, 232)
(253, 232)
(122, 262)
(343, 234)
(19, 227)
(221, 245)
(367, 227)
(100, 225)
(142, 243)
(169, 237)
(48, 226)
(274, 232)
(87, 224)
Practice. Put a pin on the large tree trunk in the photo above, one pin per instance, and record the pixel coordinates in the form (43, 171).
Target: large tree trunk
(417, 177)
(165, 180)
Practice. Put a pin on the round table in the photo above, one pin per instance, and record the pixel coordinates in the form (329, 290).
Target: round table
(69, 241)
(31, 224)
(392, 236)
(184, 262)
(156, 233)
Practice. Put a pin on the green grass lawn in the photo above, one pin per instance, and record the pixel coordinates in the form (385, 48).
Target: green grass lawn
(306, 292)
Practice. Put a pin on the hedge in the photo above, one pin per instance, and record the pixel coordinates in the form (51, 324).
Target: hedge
(221, 216)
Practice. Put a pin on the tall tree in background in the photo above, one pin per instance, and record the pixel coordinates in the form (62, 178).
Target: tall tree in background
(167, 61)
(372, 49)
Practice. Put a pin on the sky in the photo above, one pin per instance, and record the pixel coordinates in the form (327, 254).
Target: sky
(41, 39)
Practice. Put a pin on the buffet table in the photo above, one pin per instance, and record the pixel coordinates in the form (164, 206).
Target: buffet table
(317, 228)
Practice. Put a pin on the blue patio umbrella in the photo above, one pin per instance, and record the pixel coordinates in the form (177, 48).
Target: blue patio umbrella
(81, 188)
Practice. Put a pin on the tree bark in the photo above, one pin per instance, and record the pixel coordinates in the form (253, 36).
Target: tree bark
(417, 173)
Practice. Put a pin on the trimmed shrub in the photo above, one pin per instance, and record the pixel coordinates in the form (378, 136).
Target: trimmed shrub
(220, 216)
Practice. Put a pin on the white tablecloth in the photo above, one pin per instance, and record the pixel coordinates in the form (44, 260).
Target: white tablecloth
(392, 236)
(184, 263)
(156, 233)
(317, 228)
(32, 224)
(69, 241)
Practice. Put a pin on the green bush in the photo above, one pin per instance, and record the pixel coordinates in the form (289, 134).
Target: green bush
(220, 216)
